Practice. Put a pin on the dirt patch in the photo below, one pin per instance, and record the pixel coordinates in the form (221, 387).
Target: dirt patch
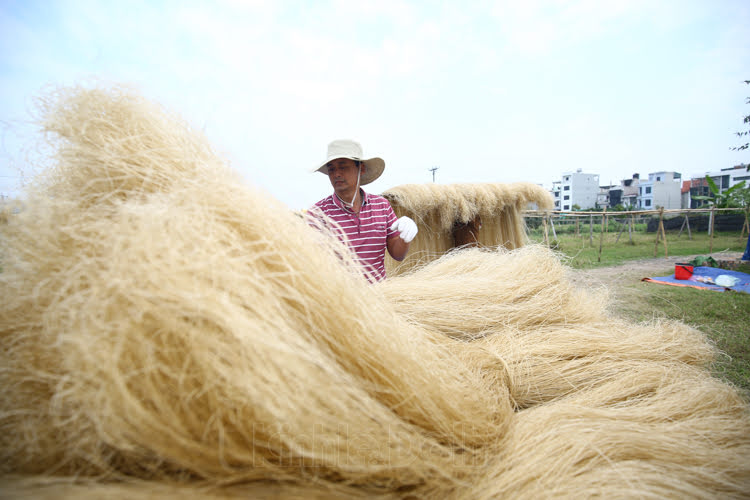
(635, 270)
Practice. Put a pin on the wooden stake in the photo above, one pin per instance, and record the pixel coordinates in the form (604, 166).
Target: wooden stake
(591, 230)
(552, 225)
(746, 225)
(578, 228)
(663, 233)
(601, 235)
(711, 232)
(546, 231)
(630, 229)
(660, 233)
(622, 228)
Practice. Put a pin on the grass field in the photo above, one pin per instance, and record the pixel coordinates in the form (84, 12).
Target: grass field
(584, 253)
(723, 317)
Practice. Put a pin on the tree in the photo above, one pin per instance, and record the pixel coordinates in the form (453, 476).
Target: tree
(741, 197)
(717, 199)
(744, 133)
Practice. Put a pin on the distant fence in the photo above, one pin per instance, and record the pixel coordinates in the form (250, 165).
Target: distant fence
(625, 223)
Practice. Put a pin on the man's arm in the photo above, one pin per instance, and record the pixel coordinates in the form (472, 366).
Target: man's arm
(397, 248)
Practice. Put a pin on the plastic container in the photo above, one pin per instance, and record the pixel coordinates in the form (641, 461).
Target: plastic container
(683, 271)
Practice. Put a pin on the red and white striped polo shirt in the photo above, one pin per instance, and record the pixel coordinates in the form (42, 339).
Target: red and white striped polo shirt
(367, 231)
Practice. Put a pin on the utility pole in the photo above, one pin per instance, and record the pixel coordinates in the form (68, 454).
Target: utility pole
(433, 169)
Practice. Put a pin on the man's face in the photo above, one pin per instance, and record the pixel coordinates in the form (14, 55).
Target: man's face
(342, 172)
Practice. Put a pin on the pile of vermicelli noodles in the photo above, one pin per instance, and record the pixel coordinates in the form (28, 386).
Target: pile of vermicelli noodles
(158, 340)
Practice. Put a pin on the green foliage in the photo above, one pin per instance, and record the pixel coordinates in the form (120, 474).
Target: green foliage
(719, 199)
(741, 197)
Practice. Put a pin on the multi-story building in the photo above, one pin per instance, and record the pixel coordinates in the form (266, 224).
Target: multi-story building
(615, 196)
(724, 179)
(685, 194)
(555, 192)
(603, 199)
(630, 191)
(662, 189)
(728, 177)
(577, 188)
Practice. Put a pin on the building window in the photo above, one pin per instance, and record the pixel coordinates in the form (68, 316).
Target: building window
(658, 178)
(566, 207)
(648, 203)
(648, 189)
(566, 188)
(557, 194)
(566, 197)
(566, 179)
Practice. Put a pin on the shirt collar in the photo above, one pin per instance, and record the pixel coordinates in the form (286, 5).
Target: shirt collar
(337, 201)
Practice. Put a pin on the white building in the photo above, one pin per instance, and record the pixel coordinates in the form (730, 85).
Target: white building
(662, 189)
(555, 192)
(577, 188)
(728, 177)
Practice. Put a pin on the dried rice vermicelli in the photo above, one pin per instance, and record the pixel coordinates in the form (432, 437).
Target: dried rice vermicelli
(157, 340)
(153, 327)
(437, 208)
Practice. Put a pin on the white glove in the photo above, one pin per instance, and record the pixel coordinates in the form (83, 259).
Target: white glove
(407, 228)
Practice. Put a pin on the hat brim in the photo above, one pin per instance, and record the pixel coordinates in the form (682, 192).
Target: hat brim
(373, 168)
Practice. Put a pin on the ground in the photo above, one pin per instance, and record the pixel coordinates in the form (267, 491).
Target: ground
(624, 281)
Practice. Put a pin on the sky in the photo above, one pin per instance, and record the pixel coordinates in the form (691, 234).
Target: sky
(486, 91)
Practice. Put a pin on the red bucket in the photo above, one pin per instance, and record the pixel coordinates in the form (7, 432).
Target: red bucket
(683, 271)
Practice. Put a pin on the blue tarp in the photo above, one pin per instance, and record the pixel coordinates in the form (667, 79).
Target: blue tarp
(743, 285)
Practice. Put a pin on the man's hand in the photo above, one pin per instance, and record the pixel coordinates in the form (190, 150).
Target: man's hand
(406, 227)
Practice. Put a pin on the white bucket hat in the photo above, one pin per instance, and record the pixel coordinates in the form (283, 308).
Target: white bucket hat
(346, 148)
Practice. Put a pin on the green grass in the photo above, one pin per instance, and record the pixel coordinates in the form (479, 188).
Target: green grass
(584, 253)
(722, 316)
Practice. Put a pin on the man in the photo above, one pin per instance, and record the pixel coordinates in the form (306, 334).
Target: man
(367, 220)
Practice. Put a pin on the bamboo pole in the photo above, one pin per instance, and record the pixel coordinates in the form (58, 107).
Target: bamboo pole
(552, 225)
(640, 212)
(711, 232)
(578, 227)
(631, 226)
(660, 233)
(622, 228)
(663, 233)
(746, 225)
(601, 234)
(591, 230)
(685, 224)
(546, 231)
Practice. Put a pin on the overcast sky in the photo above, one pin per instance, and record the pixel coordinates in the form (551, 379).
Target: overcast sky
(488, 91)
